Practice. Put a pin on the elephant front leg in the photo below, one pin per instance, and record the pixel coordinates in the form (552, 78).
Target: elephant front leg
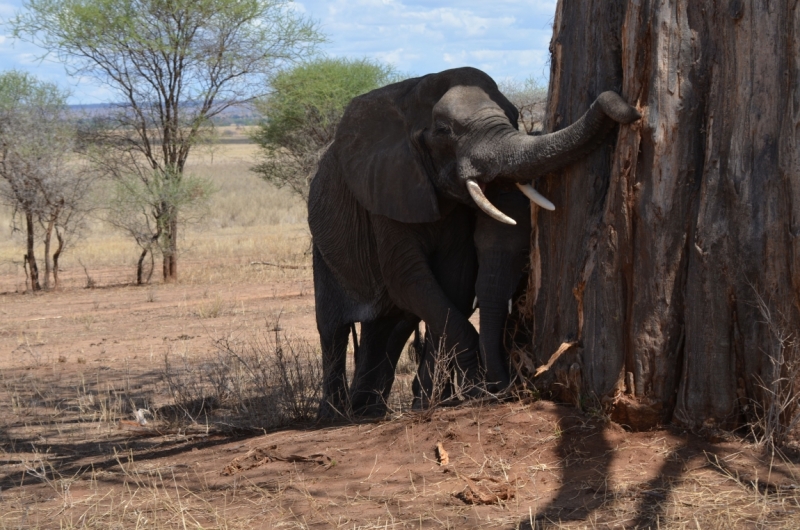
(382, 342)
(442, 298)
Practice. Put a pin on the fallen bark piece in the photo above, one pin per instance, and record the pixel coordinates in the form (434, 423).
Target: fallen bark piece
(441, 455)
(260, 456)
(553, 358)
(478, 493)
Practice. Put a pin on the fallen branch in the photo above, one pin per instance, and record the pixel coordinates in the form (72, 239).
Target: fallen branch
(259, 456)
(278, 265)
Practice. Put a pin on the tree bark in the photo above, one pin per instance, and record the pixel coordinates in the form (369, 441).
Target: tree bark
(30, 257)
(170, 258)
(664, 239)
(140, 268)
(48, 264)
(56, 255)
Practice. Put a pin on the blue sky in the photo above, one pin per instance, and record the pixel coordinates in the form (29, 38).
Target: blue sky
(508, 39)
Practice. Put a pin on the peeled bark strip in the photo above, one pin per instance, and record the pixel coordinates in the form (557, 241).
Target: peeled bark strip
(663, 239)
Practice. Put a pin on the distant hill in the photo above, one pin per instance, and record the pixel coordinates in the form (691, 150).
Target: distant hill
(244, 114)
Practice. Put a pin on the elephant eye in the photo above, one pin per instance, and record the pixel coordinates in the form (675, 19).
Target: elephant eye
(442, 128)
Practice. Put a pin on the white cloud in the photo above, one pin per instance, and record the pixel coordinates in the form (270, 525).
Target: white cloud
(508, 39)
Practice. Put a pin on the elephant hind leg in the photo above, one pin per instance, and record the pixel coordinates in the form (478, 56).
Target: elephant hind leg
(334, 310)
(334, 385)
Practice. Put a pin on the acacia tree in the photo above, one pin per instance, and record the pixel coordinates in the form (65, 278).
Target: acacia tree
(173, 65)
(673, 256)
(46, 188)
(530, 98)
(302, 110)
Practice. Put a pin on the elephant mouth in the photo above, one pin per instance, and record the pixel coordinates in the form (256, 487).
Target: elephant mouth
(476, 190)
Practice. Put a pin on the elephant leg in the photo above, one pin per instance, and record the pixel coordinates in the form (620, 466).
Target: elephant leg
(433, 383)
(455, 269)
(412, 286)
(334, 384)
(382, 342)
(332, 309)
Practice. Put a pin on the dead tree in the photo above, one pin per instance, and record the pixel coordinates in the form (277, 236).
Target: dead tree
(664, 240)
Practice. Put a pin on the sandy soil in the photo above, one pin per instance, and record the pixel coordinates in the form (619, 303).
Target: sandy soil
(69, 461)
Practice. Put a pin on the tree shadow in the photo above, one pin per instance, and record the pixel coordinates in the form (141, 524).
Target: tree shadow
(586, 483)
(72, 459)
(585, 455)
(51, 437)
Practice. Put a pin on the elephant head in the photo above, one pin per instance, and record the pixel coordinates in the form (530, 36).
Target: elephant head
(444, 137)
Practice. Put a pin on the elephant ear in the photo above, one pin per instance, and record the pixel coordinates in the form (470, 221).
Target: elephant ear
(378, 158)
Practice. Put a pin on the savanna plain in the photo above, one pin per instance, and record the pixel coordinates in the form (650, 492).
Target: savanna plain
(191, 405)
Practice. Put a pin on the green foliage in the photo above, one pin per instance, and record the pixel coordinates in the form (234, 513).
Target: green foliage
(32, 116)
(20, 89)
(45, 189)
(302, 111)
(131, 205)
(176, 65)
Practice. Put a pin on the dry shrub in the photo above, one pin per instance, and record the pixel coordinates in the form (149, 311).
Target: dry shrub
(257, 382)
(776, 415)
(449, 384)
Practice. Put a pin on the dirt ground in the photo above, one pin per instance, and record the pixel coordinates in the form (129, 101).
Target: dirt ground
(72, 458)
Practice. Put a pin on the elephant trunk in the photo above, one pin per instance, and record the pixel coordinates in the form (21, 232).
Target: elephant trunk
(493, 316)
(522, 157)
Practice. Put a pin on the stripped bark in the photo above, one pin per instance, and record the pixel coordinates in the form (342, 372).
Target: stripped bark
(662, 239)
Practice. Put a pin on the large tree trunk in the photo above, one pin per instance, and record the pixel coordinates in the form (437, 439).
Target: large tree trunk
(663, 241)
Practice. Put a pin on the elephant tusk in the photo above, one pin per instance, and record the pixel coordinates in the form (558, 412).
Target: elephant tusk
(484, 204)
(475, 303)
(536, 197)
(509, 306)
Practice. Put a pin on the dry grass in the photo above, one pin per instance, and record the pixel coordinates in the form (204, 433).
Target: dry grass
(247, 220)
(258, 378)
(557, 470)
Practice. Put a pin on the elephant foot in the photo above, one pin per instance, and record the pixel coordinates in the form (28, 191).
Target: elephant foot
(498, 389)
(328, 412)
(420, 405)
(377, 410)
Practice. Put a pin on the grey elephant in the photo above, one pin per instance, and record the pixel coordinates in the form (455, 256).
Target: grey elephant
(392, 211)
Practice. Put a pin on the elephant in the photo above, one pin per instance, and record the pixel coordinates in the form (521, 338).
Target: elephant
(393, 211)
